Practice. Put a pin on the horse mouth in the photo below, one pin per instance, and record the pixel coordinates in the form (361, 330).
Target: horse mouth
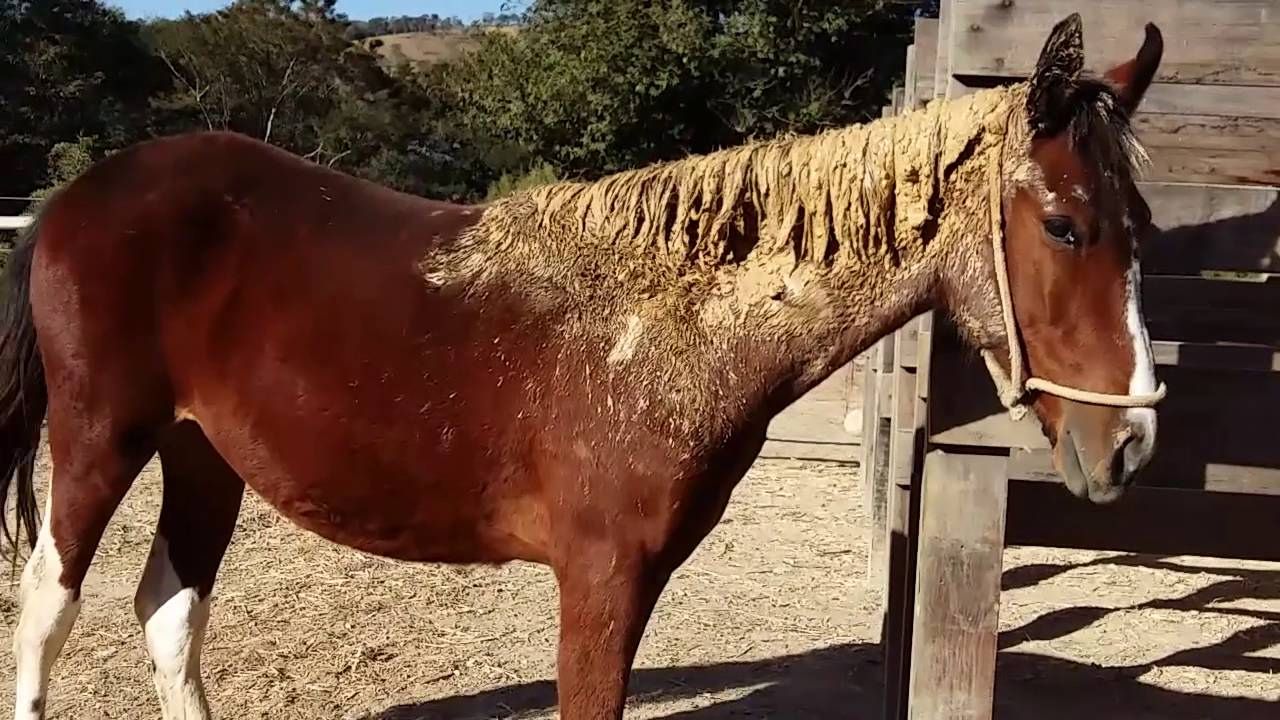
(1078, 480)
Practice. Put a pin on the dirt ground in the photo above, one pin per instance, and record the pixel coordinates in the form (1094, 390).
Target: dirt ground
(770, 619)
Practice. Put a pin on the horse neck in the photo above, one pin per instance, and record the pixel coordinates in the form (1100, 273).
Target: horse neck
(745, 277)
(912, 235)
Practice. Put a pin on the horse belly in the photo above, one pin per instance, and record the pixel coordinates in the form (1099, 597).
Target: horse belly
(390, 496)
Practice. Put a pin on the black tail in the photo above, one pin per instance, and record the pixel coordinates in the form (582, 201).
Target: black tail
(23, 397)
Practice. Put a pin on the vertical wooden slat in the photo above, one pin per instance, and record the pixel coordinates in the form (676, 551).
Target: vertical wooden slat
(875, 451)
(909, 81)
(913, 343)
(961, 539)
(942, 68)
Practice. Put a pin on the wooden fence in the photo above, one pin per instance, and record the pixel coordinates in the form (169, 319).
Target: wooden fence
(951, 479)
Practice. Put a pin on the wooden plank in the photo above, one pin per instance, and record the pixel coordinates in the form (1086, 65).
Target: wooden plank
(854, 410)
(909, 81)
(1222, 440)
(1221, 42)
(965, 409)
(1252, 480)
(1243, 101)
(875, 495)
(877, 475)
(904, 513)
(961, 540)
(1211, 149)
(1194, 309)
(904, 403)
(908, 343)
(1219, 227)
(1217, 429)
(817, 416)
(1205, 147)
(1146, 520)
(1216, 356)
(967, 413)
(926, 60)
(844, 453)
(813, 427)
(942, 68)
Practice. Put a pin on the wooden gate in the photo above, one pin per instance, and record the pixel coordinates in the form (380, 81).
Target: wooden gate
(951, 478)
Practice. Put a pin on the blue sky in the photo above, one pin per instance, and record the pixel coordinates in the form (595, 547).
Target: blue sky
(355, 9)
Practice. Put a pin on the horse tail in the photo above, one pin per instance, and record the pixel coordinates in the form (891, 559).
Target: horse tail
(24, 397)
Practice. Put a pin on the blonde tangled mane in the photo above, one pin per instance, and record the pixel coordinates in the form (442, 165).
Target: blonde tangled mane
(851, 194)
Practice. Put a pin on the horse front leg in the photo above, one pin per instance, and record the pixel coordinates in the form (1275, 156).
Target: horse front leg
(606, 596)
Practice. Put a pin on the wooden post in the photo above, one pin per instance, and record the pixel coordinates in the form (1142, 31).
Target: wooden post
(876, 427)
(910, 432)
(909, 82)
(961, 539)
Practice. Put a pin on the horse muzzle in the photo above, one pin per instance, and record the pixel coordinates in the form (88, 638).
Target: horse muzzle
(1101, 470)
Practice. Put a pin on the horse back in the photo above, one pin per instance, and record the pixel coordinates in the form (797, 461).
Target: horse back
(281, 306)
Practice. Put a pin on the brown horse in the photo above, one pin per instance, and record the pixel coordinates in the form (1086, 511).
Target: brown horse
(576, 376)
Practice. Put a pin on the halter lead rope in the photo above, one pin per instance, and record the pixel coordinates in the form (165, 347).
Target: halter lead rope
(1014, 386)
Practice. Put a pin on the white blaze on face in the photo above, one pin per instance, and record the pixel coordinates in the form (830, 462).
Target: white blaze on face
(1143, 379)
(49, 610)
(173, 619)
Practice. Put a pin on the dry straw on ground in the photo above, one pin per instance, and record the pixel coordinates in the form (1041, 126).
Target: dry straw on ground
(770, 619)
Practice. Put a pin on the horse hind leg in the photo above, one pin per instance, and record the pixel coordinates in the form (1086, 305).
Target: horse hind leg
(48, 611)
(202, 497)
(93, 469)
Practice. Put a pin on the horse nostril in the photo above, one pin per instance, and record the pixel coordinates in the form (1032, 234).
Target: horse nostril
(1132, 453)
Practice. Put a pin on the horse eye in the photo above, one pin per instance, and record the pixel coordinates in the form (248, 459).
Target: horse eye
(1061, 228)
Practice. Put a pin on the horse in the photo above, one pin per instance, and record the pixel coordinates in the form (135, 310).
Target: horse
(576, 375)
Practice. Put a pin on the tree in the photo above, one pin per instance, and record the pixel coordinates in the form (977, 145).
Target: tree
(68, 69)
(594, 86)
(267, 68)
(286, 73)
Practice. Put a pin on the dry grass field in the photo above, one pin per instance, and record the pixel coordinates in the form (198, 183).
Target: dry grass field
(769, 619)
(425, 48)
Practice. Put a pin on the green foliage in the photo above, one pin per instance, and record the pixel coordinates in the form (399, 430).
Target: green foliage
(272, 69)
(509, 183)
(594, 86)
(68, 68)
(66, 161)
(581, 88)
(286, 73)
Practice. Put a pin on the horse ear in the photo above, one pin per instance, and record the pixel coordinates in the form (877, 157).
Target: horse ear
(1131, 79)
(1056, 78)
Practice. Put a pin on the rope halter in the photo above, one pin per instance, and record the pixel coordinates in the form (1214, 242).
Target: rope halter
(1015, 385)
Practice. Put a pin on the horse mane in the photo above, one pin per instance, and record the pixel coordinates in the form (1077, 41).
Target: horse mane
(783, 192)
(863, 196)
(1103, 133)
(848, 193)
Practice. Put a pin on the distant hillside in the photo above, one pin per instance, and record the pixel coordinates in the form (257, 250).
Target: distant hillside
(425, 48)
(402, 24)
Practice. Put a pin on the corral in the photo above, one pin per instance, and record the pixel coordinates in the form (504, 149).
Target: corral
(946, 465)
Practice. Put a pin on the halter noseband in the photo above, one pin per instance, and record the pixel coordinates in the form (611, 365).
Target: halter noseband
(1016, 385)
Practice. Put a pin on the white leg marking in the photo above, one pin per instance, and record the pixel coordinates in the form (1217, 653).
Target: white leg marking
(48, 612)
(173, 620)
(1143, 379)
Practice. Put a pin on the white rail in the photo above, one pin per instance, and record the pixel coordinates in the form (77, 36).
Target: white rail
(14, 222)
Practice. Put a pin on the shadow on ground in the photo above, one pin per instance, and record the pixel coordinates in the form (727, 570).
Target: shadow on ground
(846, 681)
